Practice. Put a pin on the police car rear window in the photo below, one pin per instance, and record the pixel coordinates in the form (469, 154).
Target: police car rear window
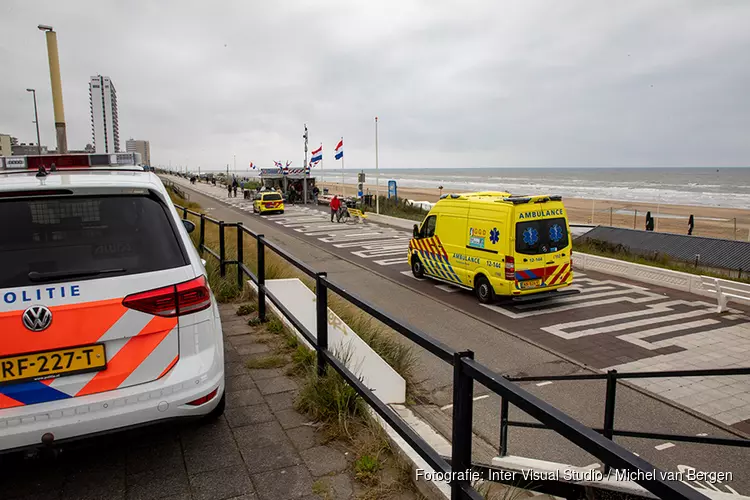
(43, 237)
(272, 197)
(541, 236)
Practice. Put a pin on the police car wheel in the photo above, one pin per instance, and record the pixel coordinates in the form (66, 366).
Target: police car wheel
(416, 268)
(218, 411)
(484, 290)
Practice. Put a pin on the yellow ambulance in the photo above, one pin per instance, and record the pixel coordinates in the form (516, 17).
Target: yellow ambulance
(495, 244)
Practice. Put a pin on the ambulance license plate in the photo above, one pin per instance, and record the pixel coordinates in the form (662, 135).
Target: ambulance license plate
(530, 284)
(52, 364)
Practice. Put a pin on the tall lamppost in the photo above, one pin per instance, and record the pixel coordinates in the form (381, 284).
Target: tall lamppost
(36, 121)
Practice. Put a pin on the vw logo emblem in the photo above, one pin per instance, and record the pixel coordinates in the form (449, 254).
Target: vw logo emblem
(37, 318)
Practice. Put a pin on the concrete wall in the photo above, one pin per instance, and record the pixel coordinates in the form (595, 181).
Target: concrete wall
(676, 280)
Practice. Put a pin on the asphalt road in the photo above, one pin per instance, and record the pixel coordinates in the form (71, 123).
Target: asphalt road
(507, 341)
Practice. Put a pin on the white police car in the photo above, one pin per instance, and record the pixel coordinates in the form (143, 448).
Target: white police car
(106, 317)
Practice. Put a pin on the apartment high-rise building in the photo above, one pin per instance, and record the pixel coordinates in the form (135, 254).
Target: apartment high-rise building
(104, 127)
(137, 146)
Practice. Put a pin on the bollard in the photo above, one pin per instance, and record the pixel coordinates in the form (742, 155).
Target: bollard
(609, 409)
(261, 278)
(463, 407)
(184, 212)
(240, 258)
(202, 232)
(222, 250)
(321, 316)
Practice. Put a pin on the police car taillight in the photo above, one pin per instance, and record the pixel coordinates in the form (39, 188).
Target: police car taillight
(205, 399)
(510, 268)
(173, 300)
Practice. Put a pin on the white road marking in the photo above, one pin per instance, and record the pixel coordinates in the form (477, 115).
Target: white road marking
(478, 398)
(560, 329)
(664, 446)
(702, 434)
(568, 307)
(390, 262)
(635, 338)
(368, 254)
(542, 384)
(633, 324)
(447, 288)
(411, 275)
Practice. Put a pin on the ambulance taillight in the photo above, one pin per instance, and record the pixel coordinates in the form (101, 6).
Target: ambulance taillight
(510, 268)
(173, 300)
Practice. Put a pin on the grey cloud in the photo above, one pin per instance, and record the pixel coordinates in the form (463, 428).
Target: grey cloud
(475, 83)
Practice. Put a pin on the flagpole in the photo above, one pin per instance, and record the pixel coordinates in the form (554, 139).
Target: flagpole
(343, 186)
(377, 172)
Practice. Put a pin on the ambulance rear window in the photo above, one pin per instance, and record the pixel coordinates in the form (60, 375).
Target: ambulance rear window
(119, 234)
(272, 197)
(541, 236)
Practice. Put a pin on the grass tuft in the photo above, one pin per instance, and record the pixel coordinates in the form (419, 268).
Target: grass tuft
(274, 325)
(330, 400)
(246, 309)
(271, 361)
(366, 467)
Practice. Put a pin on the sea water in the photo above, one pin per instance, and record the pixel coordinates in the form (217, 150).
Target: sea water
(717, 187)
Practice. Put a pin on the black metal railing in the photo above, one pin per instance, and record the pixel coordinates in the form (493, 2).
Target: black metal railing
(608, 428)
(465, 372)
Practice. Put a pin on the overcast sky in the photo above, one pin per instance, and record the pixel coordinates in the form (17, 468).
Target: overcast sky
(455, 84)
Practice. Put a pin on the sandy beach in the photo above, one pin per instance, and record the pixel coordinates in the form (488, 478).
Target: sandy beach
(709, 221)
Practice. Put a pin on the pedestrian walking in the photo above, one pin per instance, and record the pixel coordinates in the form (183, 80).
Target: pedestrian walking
(335, 206)
(229, 189)
(235, 184)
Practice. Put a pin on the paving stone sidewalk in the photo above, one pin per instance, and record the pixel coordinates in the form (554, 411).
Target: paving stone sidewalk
(261, 449)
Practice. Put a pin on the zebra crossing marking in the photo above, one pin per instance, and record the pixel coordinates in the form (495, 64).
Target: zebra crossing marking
(561, 329)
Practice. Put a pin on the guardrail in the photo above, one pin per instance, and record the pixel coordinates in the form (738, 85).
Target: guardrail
(608, 429)
(465, 372)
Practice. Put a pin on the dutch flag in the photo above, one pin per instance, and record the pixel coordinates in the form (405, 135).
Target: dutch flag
(339, 150)
(252, 166)
(317, 155)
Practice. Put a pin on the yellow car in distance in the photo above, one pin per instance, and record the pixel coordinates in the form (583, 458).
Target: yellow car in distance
(269, 203)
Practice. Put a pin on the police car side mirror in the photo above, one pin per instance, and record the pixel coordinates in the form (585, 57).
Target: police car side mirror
(415, 232)
(189, 226)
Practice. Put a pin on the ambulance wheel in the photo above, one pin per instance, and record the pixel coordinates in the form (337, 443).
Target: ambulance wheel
(483, 289)
(416, 268)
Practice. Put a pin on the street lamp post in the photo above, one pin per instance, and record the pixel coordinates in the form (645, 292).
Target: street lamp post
(377, 171)
(306, 175)
(54, 76)
(36, 121)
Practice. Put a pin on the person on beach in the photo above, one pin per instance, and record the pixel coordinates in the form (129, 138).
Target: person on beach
(335, 206)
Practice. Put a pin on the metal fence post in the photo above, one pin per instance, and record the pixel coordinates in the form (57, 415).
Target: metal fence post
(261, 278)
(184, 212)
(463, 392)
(222, 250)
(202, 238)
(503, 427)
(240, 257)
(321, 311)
(609, 409)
